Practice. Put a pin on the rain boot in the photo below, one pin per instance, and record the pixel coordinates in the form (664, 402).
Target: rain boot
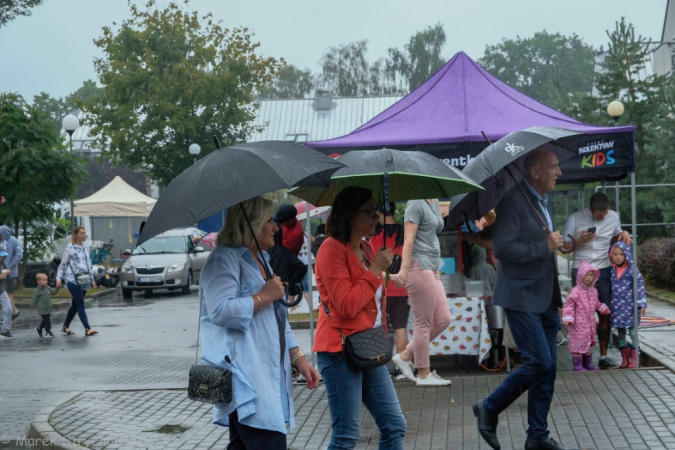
(578, 366)
(587, 361)
(625, 354)
(634, 355)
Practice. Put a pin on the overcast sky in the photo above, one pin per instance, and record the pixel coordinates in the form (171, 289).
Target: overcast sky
(53, 50)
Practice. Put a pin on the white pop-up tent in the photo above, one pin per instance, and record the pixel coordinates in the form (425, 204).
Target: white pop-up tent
(116, 199)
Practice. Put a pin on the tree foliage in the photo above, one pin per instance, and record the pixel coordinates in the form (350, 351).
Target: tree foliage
(547, 67)
(169, 79)
(345, 70)
(291, 82)
(11, 9)
(407, 69)
(35, 169)
(60, 107)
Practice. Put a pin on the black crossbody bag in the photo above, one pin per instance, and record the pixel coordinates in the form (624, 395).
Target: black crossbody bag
(209, 384)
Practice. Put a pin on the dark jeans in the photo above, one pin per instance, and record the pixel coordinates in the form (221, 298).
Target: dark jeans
(346, 390)
(248, 438)
(46, 323)
(535, 335)
(76, 306)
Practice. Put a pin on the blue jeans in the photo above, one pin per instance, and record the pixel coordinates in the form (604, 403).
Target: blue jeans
(535, 335)
(76, 306)
(346, 390)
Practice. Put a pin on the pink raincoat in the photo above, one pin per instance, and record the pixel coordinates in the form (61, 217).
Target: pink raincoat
(579, 309)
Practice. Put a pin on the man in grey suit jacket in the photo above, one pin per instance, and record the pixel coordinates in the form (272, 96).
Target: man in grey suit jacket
(527, 288)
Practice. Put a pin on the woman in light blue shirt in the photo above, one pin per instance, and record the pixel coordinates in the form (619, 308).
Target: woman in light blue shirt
(241, 319)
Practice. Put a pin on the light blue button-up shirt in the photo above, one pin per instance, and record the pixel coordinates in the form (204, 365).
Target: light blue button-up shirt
(543, 204)
(262, 389)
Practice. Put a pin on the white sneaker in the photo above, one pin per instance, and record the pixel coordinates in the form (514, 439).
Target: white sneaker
(434, 374)
(433, 380)
(406, 367)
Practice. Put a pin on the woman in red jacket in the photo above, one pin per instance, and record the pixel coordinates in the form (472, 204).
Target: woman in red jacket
(349, 279)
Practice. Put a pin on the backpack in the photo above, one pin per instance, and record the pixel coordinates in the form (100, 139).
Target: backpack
(287, 266)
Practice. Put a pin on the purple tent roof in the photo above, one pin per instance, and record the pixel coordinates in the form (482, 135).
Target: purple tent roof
(455, 105)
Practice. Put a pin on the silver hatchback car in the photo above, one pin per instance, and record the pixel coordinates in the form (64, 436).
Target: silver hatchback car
(170, 260)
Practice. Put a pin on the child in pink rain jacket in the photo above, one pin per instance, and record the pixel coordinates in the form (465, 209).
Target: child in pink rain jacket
(579, 317)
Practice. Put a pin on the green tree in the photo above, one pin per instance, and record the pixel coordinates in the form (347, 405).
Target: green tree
(11, 9)
(649, 107)
(169, 79)
(58, 108)
(547, 67)
(291, 82)
(35, 171)
(420, 59)
(345, 71)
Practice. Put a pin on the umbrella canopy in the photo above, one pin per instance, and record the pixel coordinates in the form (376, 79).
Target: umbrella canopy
(490, 168)
(231, 175)
(301, 207)
(411, 175)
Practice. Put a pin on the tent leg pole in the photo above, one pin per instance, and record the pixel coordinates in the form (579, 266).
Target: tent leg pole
(635, 284)
(567, 214)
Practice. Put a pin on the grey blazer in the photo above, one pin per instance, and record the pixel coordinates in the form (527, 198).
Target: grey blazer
(527, 275)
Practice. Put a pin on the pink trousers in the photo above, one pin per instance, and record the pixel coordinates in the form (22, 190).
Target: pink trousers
(430, 311)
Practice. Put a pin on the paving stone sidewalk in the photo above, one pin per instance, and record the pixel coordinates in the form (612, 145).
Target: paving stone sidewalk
(598, 410)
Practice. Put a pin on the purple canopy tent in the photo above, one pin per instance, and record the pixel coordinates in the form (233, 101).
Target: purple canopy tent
(446, 115)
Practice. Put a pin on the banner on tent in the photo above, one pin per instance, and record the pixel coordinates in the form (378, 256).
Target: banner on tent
(607, 156)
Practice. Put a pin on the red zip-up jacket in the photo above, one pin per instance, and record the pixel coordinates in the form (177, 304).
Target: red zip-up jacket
(349, 292)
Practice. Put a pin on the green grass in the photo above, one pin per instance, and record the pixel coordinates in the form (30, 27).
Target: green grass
(660, 292)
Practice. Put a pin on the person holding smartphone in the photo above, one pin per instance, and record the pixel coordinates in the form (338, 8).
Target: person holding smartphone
(595, 229)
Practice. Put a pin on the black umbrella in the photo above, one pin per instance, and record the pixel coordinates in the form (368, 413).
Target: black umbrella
(499, 168)
(231, 175)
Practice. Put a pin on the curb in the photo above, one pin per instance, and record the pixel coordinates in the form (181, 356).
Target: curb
(42, 435)
(64, 303)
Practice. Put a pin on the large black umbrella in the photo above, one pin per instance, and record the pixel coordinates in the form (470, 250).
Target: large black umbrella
(231, 175)
(499, 168)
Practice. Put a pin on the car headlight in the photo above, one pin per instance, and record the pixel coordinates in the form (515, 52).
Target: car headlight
(127, 268)
(176, 267)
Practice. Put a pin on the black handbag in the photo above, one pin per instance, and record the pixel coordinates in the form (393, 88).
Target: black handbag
(367, 349)
(209, 384)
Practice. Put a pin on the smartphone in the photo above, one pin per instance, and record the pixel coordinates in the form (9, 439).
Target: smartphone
(592, 229)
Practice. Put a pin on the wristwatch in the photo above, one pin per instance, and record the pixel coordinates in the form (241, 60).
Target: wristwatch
(297, 356)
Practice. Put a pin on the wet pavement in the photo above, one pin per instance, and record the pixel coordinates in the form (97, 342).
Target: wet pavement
(124, 388)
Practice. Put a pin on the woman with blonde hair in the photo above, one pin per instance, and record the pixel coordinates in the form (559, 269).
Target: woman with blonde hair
(246, 330)
(75, 269)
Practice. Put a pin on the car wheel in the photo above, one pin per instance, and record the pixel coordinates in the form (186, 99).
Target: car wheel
(126, 293)
(186, 289)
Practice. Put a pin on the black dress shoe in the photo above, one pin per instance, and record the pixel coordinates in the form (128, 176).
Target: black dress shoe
(548, 444)
(487, 425)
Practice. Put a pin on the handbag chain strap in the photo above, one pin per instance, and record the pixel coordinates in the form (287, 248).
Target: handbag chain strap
(199, 326)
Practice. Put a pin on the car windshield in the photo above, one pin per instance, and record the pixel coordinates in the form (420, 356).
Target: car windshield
(162, 244)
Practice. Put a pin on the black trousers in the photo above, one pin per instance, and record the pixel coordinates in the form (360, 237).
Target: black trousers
(243, 437)
(46, 323)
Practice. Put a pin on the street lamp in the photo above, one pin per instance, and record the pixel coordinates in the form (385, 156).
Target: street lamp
(615, 110)
(194, 150)
(70, 124)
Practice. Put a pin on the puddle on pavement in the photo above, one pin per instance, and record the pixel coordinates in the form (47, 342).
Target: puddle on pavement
(168, 429)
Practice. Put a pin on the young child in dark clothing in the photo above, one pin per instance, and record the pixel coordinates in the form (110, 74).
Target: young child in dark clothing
(42, 301)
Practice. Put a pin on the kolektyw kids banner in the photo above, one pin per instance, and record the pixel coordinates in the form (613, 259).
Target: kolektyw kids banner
(608, 157)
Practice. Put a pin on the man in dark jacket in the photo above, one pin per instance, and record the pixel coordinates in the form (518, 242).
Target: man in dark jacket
(527, 288)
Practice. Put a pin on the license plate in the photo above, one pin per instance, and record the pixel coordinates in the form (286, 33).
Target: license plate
(149, 279)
